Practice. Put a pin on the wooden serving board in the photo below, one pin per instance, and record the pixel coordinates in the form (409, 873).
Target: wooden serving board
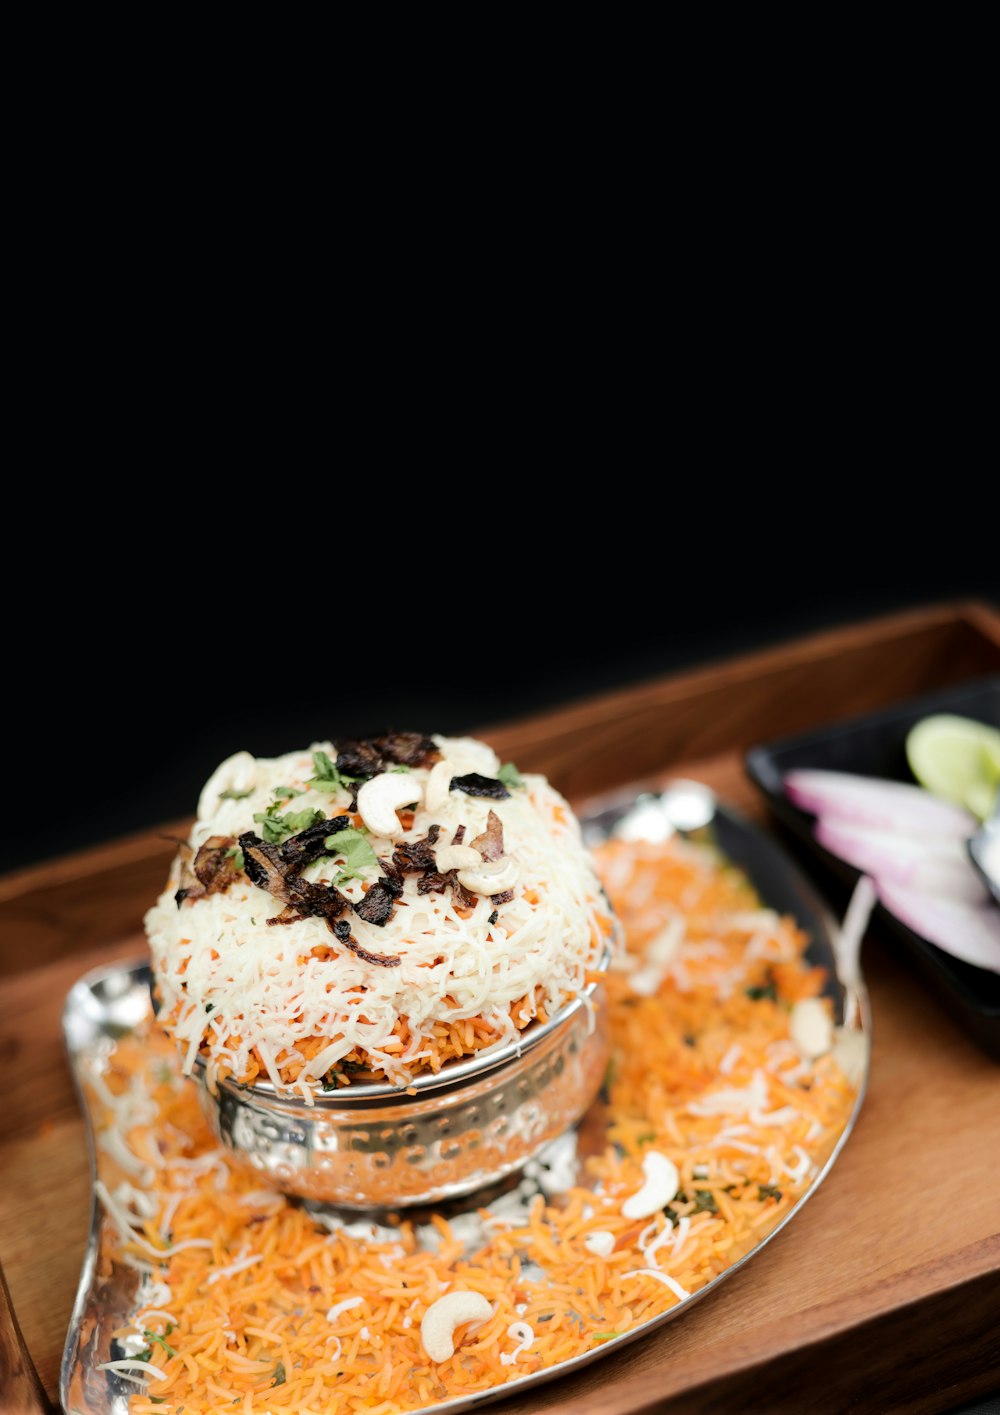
(882, 1295)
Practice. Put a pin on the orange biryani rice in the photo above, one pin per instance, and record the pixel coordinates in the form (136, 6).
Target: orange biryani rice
(257, 1306)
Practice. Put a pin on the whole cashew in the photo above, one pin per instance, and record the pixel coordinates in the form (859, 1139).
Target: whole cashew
(490, 879)
(456, 857)
(442, 1317)
(438, 785)
(600, 1242)
(811, 1028)
(380, 799)
(236, 773)
(662, 1183)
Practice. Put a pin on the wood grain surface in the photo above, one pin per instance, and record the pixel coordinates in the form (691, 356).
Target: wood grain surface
(882, 1295)
(20, 1389)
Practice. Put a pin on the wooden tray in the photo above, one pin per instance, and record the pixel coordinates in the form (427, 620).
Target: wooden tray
(883, 1295)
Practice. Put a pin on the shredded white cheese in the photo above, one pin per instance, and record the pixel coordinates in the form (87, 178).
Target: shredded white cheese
(127, 1365)
(524, 1335)
(345, 1306)
(228, 981)
(679, 1292)
(241, 1264)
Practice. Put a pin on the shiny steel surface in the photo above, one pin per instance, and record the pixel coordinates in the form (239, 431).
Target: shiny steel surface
(984, 852)
(473, 1126)
(109, 1002)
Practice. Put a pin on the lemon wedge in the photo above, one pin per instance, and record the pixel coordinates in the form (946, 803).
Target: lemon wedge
(957, 759)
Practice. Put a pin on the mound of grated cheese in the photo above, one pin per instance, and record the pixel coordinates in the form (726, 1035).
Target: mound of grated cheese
(229, 982)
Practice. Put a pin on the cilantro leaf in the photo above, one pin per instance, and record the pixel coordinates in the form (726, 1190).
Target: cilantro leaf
(235, 795)
(768, 1191)
(357, 854)
(279, 1374)
(704, 1202)
(285, 793)
(768, 990)
(604, 1335)
(161, 1341)
(509, 775)
(326, 776)
(235, 854)
(276, 828)
(758, 994)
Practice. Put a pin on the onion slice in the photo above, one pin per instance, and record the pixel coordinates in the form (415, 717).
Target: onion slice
(966, 931)
(935, 865)
(867, 801)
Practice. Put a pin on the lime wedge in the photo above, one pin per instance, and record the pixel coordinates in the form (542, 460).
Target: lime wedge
(957, 759)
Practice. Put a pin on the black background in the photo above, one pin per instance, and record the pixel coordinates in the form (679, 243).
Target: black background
(124, 705)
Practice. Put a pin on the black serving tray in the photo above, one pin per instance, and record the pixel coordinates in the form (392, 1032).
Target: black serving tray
(876, 746)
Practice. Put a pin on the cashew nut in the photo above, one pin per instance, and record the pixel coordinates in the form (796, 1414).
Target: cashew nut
(662, 1183)
(811, 1027)
(456, 857)
(600, 1242)
(236, 773)
(442, 1317)
(850, 1051)
(381, 797)
(438, 786)
(490, 879)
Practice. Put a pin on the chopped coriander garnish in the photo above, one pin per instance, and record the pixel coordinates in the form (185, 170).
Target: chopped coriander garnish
(509, 775)
(276, 828)
(704, 1202)
(357, 854)
(604, 1335)
(279, 1374)
(324, 768)
(235, 795)
(144, 1354)
(758, 993)
(285, 793)
(161, 1341)
(646, 1138)
(209, 1006)
(401, 768)
(768, 1191)
(235, 854)
(326, 776)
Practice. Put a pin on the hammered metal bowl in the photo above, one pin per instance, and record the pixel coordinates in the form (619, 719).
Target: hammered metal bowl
(374, 1146)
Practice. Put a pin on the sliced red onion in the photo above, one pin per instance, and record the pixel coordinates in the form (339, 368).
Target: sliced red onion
(934, 864)
(865, 800)
(967, 931)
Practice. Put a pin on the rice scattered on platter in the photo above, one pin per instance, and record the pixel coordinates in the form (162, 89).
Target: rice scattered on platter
(255, 1305)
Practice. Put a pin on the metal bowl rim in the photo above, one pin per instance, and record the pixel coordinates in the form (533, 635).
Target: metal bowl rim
(452, 1073)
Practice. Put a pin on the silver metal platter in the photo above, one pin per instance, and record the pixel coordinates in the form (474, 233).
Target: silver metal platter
(109, 1003)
